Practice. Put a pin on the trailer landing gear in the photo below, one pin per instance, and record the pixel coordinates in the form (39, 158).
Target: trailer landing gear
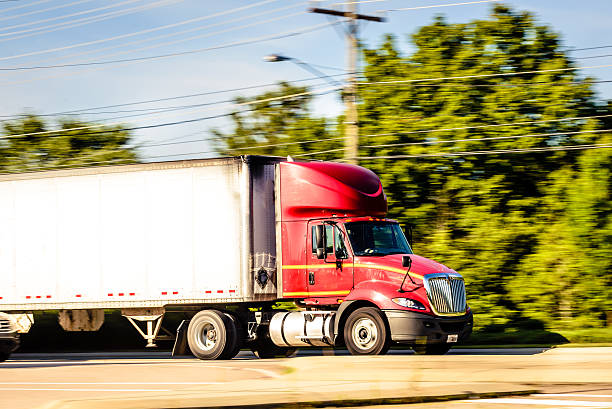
(153, 319)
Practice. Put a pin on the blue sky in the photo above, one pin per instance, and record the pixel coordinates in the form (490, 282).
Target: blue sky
(52, 32)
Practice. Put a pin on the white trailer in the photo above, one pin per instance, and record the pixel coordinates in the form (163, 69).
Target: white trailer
(138, 238)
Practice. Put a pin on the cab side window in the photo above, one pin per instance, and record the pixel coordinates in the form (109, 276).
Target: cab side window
(334, 241)
(341, 251)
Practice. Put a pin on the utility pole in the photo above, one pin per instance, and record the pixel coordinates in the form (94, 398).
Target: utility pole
(351, 147)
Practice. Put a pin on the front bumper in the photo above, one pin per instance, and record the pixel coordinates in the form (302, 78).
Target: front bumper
(408, 327)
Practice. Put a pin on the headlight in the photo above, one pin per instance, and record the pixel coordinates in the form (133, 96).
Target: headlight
(408, 303)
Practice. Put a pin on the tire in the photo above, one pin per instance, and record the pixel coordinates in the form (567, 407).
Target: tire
(264, 348)
(366, 333)
(239, 336)
(4, 356)
(432, 349)
(211, 335)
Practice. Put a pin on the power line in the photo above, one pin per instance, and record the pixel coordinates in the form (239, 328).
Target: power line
(150, 30)
(23, 6)
(206, 35)
(493, 152)
(79, 13)
(443, 5)
(578, 118)
(469, 153)
(433, 142)
(282, 97)
(506, 74)
(87, 20)
(83, 111)
(174, 34)
(38, 11)
(494, 138)
(285, 34)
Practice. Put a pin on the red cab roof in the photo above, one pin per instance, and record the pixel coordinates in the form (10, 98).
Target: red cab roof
(322, 189)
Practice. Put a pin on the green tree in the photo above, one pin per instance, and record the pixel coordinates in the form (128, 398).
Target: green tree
(279, 123)
(491, 217)
(26, 144)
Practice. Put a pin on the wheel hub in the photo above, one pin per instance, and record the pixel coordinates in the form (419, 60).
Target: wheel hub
(365, 333)
(207, 336)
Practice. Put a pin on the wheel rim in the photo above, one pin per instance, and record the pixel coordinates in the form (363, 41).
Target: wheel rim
(365, 333)
(207, 336)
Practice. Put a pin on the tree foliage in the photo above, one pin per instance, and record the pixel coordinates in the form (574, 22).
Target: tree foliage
(27, 145)
(277, 123)
(530, 231)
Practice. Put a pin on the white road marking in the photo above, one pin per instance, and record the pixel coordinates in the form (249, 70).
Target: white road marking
(84, 390)
(552, 402)
(265, 372)
(111, 383)
(581, 395)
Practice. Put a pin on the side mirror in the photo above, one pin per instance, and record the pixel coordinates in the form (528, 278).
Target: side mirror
(406, 262)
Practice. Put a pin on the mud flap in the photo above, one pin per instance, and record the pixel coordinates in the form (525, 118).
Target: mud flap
(180, 343)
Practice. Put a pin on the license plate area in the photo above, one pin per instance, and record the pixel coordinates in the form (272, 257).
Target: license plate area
(452, 338)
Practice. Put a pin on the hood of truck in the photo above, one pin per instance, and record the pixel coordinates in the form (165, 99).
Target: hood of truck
(391, 266)
(385, 274)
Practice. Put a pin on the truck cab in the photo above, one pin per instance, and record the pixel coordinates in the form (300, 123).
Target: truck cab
(340, 253)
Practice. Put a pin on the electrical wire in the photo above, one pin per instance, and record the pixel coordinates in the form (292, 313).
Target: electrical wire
(37, 11)
(441, 5)
(154, 29)
(279, 98)
(505, 74)
(24, 5)
(578, 118)
(88, 20)
(289, 33)
(206, 35)
(494, 138)
(433, 142)
(127, 62)
(83, 111)
(492, 152)
(79, 13)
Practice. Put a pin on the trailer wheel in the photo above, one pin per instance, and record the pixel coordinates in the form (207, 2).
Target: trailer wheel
(239, 337)
(431, 349)
(365, 332)
(211, 335)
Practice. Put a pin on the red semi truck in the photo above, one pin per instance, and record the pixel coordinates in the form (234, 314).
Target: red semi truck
(224, 241)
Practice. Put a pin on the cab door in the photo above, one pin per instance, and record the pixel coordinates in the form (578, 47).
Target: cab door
(332, 275)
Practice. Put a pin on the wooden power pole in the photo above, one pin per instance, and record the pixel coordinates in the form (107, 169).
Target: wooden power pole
(351, 149)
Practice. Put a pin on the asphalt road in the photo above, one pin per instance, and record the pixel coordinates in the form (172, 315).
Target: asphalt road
(594, 398)
(154, 379)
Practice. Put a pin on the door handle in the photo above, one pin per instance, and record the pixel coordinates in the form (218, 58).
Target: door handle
(311, 278)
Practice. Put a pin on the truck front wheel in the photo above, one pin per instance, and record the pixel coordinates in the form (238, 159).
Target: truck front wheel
(212, 335)
(365, 332)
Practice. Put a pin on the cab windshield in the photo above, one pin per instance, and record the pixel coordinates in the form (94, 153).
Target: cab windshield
(377, 238)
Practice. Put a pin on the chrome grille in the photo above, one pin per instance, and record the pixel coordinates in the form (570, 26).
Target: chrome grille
(446, 293)
(5, 326)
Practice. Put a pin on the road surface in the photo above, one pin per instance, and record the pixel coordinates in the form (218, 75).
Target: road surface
(150, 380)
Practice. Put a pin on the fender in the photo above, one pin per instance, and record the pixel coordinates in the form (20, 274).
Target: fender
(376, 293)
